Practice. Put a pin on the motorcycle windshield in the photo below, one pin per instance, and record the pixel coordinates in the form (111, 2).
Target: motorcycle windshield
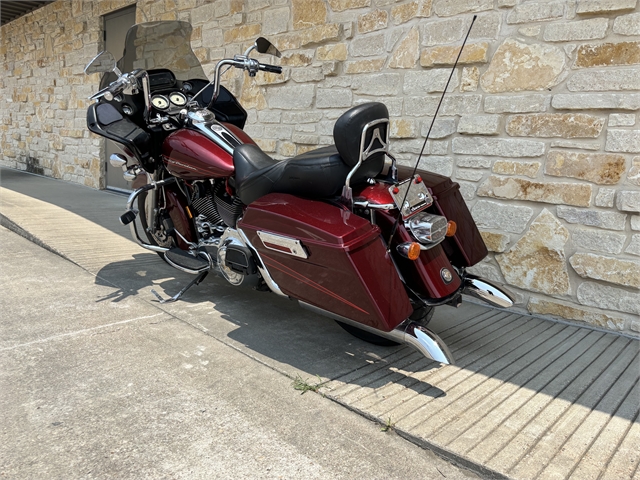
(155, 45)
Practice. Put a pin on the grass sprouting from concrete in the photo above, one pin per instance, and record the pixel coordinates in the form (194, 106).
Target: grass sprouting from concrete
(304, 386)
(388, 426)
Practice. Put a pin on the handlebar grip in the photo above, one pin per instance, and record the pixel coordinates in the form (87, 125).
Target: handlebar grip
(270, 68)
(112, 90)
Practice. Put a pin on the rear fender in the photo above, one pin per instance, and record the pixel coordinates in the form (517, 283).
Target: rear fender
(428, 274)
(466, 247)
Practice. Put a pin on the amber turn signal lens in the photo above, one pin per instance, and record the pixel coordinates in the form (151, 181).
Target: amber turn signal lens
(410, 250)
(452, 227)
(414, 251)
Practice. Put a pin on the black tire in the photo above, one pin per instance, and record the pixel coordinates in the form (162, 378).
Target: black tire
(421, 315)
(367, 336)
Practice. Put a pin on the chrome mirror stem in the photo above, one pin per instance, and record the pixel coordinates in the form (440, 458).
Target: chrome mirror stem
(250, 49)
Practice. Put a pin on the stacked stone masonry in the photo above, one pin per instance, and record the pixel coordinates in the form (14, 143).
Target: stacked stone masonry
(539, 127)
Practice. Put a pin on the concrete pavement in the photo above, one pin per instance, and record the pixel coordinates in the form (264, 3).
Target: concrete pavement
(97, 388)
(528, 398)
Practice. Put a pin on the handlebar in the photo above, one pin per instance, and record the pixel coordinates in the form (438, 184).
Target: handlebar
(110, 91)
(269, 68)
(239, 61)
(128, 82)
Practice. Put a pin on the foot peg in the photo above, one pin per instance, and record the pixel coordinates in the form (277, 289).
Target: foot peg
(127, 217)
(195, 281)
(186, 262)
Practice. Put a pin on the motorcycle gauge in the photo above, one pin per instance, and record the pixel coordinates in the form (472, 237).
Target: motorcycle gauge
(178, 99)
(160, 102)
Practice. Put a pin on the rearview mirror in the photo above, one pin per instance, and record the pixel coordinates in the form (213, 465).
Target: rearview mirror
(102, 63)
(265, 46)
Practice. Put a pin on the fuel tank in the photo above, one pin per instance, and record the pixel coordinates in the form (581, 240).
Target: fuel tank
(190, 155)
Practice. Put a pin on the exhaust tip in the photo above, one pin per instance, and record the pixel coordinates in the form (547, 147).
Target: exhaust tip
(424, 341)
(488, 292)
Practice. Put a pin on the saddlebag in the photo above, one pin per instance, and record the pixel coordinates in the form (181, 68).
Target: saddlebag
(328, 257)
(466, 247)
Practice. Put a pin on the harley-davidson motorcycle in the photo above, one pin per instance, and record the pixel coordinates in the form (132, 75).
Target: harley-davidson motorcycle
(341, 229)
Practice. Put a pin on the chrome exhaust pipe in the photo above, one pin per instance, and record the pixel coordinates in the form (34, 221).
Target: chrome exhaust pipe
(408, 332)
(421, 339)
(487, 292)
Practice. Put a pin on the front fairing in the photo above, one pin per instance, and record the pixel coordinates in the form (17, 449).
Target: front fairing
(159, 45)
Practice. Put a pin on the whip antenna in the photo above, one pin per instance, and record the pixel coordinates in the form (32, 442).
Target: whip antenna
(406, 193)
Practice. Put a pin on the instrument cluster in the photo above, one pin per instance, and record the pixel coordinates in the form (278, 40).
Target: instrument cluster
(164, 102)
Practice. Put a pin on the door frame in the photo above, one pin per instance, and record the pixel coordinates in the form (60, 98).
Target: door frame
(109, 147)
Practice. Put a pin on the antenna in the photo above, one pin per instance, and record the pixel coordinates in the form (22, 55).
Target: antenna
(406, 193)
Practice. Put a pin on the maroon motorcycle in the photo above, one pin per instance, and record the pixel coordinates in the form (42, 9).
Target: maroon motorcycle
(341, 229)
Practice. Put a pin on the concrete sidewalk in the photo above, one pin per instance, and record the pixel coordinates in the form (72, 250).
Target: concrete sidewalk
(528, 398)
(92, 388)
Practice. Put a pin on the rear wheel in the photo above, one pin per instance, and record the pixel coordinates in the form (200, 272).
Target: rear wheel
(421, 315)
(367, 336)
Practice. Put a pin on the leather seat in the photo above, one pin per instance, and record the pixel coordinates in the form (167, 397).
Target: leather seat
(319, 173)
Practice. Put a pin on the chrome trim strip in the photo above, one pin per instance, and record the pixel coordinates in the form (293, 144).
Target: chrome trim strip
(146, 90)
(374, 206)
(488, 292)
(408, 332)
(293, 244)
(218, 133)
(273, 286)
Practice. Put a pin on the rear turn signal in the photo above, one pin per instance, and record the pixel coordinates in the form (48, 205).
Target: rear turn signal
(452, 227)
(410, 250)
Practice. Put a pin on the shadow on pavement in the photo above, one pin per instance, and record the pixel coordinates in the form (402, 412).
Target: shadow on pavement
(260, 324)
(561, 361)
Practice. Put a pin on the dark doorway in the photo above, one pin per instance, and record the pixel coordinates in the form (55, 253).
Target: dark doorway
(116, 25)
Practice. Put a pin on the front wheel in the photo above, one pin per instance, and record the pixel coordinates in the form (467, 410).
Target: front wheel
(157, 235)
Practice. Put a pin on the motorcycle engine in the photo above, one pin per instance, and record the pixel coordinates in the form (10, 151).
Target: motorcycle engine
(215, 207)
(229, 207)
(217, 215)
(235, 260)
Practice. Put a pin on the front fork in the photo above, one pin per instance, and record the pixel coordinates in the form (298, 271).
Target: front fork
(129, 216)
(151, 206)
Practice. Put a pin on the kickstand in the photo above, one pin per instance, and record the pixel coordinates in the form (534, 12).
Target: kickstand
(195, 281)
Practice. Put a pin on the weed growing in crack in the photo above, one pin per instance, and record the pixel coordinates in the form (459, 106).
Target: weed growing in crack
(304, 386)
(389, 426)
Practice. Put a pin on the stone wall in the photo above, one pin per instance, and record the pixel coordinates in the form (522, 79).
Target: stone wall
(43, 90)
(539, 126)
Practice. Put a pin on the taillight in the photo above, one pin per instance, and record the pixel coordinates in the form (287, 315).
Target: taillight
(428, 229)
